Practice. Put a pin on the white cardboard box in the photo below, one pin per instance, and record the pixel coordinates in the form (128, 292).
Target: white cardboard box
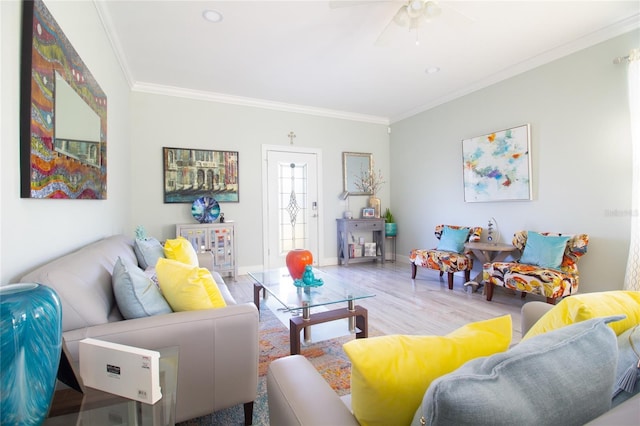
(370, 249)
(122, 370)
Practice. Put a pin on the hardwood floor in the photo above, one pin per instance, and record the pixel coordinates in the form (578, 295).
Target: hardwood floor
(405, 306)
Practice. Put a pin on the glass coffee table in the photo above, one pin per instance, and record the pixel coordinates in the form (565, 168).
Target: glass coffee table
(279, 284)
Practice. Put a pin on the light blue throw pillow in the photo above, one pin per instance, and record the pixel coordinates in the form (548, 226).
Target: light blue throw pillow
(453, 239)
(627, 365)
(544, 250)
(563, 377)
(148, 251)
(136, 295)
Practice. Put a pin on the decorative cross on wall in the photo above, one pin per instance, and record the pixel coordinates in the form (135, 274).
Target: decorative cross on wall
(291, 136)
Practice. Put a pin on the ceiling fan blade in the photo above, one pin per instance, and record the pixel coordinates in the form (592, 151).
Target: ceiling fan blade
(400, 22)
(337, 4)
(383, 37)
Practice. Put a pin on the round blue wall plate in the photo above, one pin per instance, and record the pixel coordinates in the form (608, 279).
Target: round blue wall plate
(205, 209)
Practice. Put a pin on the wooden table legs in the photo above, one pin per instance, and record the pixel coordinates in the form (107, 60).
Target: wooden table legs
(297, 324)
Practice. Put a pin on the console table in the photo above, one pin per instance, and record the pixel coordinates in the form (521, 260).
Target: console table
(346, 230)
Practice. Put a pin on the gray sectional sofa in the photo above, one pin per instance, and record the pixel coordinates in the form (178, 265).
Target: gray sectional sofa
(218, 348)
(298, 395)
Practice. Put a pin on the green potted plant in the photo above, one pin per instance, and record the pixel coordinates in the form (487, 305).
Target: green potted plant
(390, 226)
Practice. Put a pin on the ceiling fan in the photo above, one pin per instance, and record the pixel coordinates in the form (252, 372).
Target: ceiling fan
(411, 15)
(416, 13)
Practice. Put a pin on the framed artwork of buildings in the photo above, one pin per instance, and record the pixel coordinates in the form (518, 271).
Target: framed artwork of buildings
(194, 173)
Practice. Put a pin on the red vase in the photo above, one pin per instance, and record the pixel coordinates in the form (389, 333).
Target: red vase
(297, 260)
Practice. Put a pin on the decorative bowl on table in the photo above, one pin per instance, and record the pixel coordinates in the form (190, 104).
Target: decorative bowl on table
(205, 210)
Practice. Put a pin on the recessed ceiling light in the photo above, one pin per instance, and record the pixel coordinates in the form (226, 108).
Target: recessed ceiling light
(432, 70)
(212, 15)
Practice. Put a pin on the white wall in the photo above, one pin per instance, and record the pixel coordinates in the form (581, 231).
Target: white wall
(35, 231)
(163, 121)
(580, 149)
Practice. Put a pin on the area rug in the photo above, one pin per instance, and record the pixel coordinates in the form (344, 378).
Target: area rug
(326, 356)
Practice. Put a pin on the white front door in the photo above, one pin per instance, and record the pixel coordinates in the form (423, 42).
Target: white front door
(291, 201)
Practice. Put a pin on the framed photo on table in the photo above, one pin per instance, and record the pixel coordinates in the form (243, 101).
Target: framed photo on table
(497, 166)
(368, 213)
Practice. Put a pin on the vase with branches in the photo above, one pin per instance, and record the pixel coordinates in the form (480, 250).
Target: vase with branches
(370, 181)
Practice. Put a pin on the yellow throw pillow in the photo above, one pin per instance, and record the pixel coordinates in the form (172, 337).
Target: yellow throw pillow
(186, 287)
(180, 249)
(585, 306)
(390, 374)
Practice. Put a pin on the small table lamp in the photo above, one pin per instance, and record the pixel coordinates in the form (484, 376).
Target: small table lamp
(344, 196)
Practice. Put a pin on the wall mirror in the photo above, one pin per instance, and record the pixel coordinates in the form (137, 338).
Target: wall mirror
(354, 164)
(63, 115)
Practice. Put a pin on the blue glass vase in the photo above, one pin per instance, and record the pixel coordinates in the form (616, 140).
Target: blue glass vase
(30, 344)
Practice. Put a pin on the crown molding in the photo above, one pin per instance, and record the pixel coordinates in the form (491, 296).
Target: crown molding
(558, 52)
(216, 97)
(253, 102)
(107, 24)
(584, 42)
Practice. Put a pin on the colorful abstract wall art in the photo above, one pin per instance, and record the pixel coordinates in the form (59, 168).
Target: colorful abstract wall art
(63, 115)
(497, 166)
(193, 173)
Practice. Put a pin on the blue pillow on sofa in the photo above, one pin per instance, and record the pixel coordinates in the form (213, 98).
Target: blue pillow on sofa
(453, 239)
(627, 364)
(136, 294)
(148, 251)
(563, 377)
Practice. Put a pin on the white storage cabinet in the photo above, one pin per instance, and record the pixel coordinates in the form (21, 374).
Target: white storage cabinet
(215, 244)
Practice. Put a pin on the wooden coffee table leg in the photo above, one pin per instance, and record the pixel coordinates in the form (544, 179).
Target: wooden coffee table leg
(256, 294)
(297, 324)
(294, 336)
(362, 322)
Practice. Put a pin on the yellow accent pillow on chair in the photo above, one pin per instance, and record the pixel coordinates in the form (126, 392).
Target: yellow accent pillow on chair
(180, 249)
(582, 307)
(390, 374)
(186, 287)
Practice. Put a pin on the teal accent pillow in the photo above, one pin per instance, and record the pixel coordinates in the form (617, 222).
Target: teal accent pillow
(148, 251)
(136, 295)
(453, 239)
(627, 365)
(563, 377)
(544, 250)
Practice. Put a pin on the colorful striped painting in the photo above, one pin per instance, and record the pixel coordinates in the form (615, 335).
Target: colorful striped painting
(48, 169)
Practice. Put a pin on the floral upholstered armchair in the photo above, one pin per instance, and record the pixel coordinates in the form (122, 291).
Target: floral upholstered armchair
(450, 256)
(548, 265)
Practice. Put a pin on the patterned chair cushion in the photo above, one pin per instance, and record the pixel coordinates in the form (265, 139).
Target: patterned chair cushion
(551, 283)
(446, 261)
